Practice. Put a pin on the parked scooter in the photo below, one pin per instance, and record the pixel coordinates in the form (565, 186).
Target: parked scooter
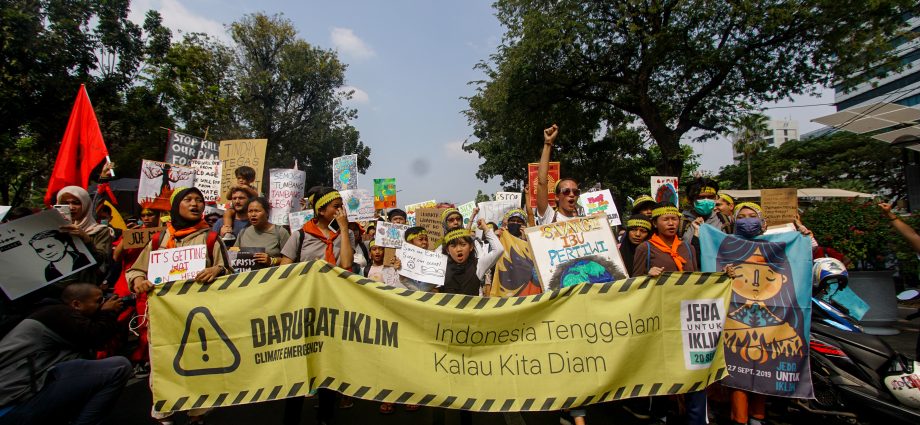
(854, 372)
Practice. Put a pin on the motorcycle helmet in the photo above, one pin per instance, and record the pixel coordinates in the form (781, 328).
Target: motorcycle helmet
(826, 272)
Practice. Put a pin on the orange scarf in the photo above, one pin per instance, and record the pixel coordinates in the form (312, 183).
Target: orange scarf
(312, 229)
(179, 234)
(657, 242)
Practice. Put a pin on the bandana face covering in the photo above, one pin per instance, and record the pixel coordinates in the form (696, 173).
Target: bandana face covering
(515, 229)
(704, 206)
(748, 227)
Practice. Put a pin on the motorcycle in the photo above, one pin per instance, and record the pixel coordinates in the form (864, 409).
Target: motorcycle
(853, 371)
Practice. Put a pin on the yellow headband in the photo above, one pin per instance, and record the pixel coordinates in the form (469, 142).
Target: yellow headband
(750, 205)
(415, 235)
(725, 197)
(645, 224)
(325, 199)
(708, 190)
(660, 211)
(516, 212)
(446, 213)
(456, 234)
(641, 199)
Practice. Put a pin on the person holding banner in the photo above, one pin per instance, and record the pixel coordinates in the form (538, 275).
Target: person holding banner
(263, 234)
(465, 269)
(702, 194)
(417, 236)
(319, 240)
(566, 189)
(186, 227)
(638, 229)
(514, 273)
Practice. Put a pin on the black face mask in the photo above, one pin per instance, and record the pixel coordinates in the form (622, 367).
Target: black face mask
(515, 229)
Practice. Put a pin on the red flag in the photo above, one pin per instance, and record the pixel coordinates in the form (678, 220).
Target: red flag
(82, 149)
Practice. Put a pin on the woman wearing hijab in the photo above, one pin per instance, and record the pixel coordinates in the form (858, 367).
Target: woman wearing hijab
(97, 237)
(638, 229)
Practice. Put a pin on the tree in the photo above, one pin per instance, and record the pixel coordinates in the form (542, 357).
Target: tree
(676, 66)
(289, 93)
(841, 160)
(748, 136)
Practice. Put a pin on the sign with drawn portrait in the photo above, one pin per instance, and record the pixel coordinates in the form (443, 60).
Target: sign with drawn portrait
(766, 331)
(158, 182)
(35, 253)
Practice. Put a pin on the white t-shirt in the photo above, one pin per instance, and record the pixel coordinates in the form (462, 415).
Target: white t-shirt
(552, 216)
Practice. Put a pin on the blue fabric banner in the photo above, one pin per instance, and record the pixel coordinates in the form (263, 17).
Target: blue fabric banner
(766, 332)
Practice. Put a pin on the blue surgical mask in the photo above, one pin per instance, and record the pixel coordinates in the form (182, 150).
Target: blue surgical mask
(704, 206)
(748, 227)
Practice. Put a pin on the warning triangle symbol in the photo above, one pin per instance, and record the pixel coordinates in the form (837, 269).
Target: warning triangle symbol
(205, 348)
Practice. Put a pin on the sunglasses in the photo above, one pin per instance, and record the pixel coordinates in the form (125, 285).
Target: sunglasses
(569, 191)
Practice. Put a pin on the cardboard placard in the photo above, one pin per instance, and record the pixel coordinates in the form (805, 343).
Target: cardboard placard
(600, 202)
(780, 206)
(285, 191)
(170, 265)
(359, 205)
(580, 250)
(411, 208)
(297, 219)
(237, 153)
(430, 219)
(207, 178)
(384, 193)
(390, 235)
(422, 265)
(138, 238)
(182, 148)
(665, 190)
(345, 173)
(159, 180)
(34, 253)
(552, 176)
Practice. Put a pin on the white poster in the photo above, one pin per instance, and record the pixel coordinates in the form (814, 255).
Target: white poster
(159, 180)
(345, 173)
(494, 211)
(3, 210)
(509, 196)
(665, 190)
(421, 264)
(390, 235)
(34, 253)
(207, 178)
(170, 265)
(359, 204)
(285, 190)
(299, 218)
(600, 202)
(580, 250)
(466, 210)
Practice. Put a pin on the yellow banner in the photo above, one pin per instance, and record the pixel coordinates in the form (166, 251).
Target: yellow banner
(284, 331)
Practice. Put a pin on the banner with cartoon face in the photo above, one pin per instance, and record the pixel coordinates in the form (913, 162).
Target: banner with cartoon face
(766, 331)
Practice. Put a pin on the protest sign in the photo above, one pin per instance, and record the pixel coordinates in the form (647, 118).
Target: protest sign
(170, 265)
(285, 190)
(299, 218)
(64, 210)
(766, 331)
(359, 205)
(509, 196)
(345, 173)
(467, 211)
(138, 238)
(600, 202)
(181, 148)
(3, 210)
(410, 219)
(665, 190)
(244, 259)
(286, 331)
(384, 193)
(34, 253)
(411, 208)
(552, 178)
(494, 211)
(237, 153)
(207, 178)
(513, 272)
(430, 219)
(421, 264)
(390, 235)
(159, 180)
(580, 250)
(780, 206)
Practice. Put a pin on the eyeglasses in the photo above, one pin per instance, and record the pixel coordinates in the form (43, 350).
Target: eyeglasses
(569, 191)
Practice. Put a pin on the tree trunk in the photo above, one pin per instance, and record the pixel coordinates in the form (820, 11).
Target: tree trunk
(672, 159)
(747, 158)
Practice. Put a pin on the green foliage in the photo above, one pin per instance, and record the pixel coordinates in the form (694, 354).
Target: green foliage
(858, 229)
(672, 66)
(840, 160)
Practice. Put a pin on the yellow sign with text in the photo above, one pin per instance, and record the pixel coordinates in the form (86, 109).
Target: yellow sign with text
(284, 331)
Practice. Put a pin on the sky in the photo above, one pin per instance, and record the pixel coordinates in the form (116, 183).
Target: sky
(410, 64)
